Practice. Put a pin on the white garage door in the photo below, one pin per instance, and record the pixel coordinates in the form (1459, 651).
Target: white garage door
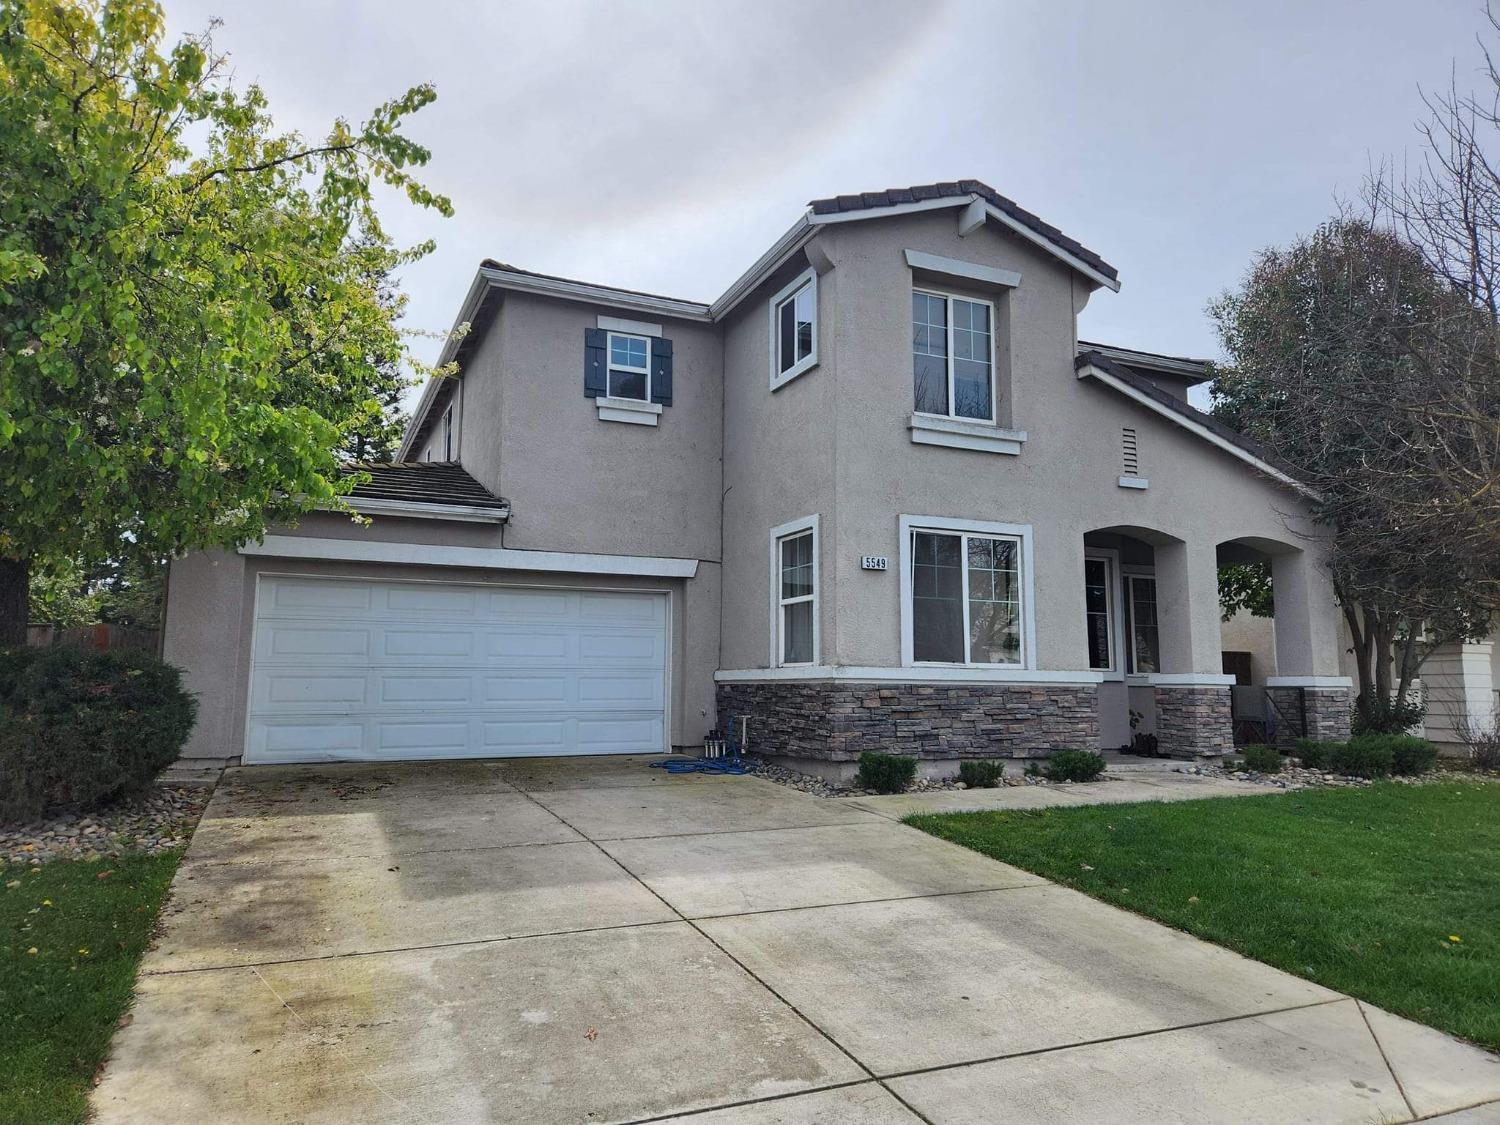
(346, 669)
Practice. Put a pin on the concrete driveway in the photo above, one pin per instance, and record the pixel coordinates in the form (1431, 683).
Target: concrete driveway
(592, 941)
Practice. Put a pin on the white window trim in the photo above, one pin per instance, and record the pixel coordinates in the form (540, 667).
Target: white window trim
(808, 277)
(447, 431)
(629, 327)
(1018, 531)
(949, 298)
(786, 531)
(629, 410)
(1114, 604)
(610, 366)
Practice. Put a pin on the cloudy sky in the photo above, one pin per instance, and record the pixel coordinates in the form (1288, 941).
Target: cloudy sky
(663, 145)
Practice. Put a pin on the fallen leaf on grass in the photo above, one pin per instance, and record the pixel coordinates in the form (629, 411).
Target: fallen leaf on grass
(104, 875)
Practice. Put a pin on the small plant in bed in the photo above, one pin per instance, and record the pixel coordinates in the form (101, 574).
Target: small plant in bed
(885, 773)
(1262, 758)
(1074, 765)
(1315, 755)
(978, 774)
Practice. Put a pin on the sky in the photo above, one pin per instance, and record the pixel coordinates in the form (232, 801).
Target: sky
(664, 145)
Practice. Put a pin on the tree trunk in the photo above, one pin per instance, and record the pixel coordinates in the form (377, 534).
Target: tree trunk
(15, 575)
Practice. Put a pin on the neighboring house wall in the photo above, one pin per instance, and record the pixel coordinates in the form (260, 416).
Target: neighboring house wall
(1244, 632)
(1459, 683)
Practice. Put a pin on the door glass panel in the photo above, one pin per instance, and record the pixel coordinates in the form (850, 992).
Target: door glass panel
(1145, 644)
(1096, 608)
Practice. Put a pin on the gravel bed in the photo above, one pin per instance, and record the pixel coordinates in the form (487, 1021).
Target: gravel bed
(820, 787)
(1296, 777)
(156, 822)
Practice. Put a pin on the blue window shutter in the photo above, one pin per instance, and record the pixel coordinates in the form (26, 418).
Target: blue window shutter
(595, 364)
(661, 371)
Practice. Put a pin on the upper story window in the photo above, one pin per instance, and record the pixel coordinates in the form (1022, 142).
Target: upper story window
(448, 434)
(629, 367)
(794, 328)
(953, 356)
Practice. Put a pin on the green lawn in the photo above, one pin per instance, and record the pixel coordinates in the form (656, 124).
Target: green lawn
(59, 1004)
(1390, 894)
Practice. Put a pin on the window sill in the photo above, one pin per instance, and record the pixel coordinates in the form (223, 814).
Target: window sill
(1134, 482)
(929, 429)
(629, 410)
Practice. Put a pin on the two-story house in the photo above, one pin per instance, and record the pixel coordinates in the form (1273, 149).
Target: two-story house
(876, 495)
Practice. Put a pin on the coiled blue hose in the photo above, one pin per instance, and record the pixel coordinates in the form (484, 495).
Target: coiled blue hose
(728, 764)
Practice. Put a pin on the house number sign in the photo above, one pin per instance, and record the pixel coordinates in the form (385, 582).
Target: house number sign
(874, 562)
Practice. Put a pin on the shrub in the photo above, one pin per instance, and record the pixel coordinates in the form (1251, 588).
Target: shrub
(1410, 755)
(78, 727)
(1482, 742)
(1363, 756)
(1074, 765)
(1262, 758)
(1386, 716)
(1315, 755)
(981, 774)
(885, 773)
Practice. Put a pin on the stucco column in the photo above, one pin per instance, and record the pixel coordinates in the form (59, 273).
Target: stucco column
(1309, 696)
(1191, 691)
(201, 635)
(1458, 685)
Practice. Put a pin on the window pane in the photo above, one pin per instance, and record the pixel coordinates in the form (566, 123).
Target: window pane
(627, 351)
(797, 633)
(937, 598)
(805, 312)
(994, 611)
(971, 364)
(796, 566)
(929, 322)
(786, 318)
(627, 384)
(1145, 650)
(1096, 608)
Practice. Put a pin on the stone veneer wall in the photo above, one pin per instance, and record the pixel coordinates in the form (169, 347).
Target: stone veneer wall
(1326, 714)
(1193, 721)
(839, 721)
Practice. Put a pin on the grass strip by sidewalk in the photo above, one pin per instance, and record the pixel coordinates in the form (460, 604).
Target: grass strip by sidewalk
(1390, 893)
(71, 935)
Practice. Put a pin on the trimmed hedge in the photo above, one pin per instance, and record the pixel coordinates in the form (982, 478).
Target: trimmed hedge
(1364, 755)
(1074, 765)
(1409, 754)
(978, 774)
(885, 773)
(1315, 755)
(80, 727)
(1262, 758)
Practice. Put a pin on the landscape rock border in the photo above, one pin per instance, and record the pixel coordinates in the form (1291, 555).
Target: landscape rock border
(155, 822)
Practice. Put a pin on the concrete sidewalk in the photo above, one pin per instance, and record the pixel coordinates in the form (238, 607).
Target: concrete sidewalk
(593, 941)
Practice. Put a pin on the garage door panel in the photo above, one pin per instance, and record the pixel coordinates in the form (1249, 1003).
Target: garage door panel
(352, 669)
(299, 641)
(398, 688)
(301, 687)
(321, 596)
(534, 689)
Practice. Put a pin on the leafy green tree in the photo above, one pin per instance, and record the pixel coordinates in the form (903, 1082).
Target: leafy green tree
(1355, 362)
(1246, 586)
(190, 306)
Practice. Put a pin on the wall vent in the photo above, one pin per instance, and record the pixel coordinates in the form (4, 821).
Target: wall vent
(1129, 455)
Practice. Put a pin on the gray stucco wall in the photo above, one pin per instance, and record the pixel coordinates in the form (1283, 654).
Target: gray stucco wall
(848, 419)
(577, 483)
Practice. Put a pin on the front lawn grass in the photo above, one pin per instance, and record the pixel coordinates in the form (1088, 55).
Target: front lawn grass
(1390, 894)
(59, 1004)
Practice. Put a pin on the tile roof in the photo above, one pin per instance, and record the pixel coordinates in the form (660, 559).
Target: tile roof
(894, 197)
(422, 482)
(1185, 409)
